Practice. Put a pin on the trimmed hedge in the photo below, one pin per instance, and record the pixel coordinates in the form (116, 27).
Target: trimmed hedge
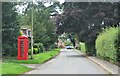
(106, 44)
(82, 47)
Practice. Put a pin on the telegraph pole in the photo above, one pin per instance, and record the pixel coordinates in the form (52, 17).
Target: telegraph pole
(32, 32)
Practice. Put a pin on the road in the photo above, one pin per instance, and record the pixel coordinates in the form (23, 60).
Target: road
(69, 62)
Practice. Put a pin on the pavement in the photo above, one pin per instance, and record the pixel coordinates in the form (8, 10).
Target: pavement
(70, 61)
(111, 68)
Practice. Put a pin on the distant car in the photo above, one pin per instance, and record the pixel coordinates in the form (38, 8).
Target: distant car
(69, 47)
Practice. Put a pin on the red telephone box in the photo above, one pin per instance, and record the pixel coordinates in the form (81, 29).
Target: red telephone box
(22, 48)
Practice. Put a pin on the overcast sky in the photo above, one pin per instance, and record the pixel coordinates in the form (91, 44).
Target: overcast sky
(22, 8)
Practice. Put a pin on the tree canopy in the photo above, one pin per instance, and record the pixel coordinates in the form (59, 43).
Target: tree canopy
(87, 19)
(43, 23)
(10, 28)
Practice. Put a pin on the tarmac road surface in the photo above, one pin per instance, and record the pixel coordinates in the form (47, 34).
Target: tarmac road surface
(69, 61)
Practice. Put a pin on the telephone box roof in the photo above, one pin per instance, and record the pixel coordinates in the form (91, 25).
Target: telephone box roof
(23, 36)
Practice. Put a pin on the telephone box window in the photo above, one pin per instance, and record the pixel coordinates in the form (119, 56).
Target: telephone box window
(21, 48)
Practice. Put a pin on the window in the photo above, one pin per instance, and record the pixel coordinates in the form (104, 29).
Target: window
(25, 31)
(29, 33)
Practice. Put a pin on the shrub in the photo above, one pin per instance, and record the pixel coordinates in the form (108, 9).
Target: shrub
(35, 46)
(82, 47)
(68, 43)
(29, 51)
(106, 44)
(40, 46)
(35, 51)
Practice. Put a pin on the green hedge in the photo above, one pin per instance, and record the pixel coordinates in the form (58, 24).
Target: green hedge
(106, 44)
(82, 47)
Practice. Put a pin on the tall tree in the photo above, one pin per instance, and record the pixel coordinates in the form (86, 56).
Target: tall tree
(10, 29)
(43, 24)
(87, 19)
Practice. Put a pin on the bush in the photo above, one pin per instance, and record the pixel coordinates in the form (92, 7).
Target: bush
(82, 47)
(35, 51)
(40, 46)
(35, 46)
(68, 43)
(106, 44)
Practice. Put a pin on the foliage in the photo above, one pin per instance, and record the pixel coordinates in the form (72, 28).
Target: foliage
(35, 51)
(10, 29)
(43, 24)
(106, 44)
(20, 33)
(86, 20)
(45, 34)
(68, 43)
(41, 47)
(38, 58)
(12, 68)
(82, 47)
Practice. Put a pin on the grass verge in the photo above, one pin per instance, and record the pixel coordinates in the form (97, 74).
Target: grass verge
(13, 69)
(37, 58)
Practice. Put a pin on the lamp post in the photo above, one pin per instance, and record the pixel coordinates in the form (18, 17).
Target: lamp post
(32, 32)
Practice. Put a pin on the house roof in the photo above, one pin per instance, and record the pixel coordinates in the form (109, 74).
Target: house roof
(25, 27)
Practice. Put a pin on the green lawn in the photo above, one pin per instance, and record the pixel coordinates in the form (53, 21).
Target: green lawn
(12, 68)
(38, 58)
